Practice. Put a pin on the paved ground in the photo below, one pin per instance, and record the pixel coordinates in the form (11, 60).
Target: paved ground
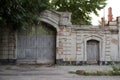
(36, 72)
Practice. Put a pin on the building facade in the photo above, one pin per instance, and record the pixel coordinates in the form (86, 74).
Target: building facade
(57, 41)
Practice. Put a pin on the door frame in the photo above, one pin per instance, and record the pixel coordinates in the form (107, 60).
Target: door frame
(97, 38)
(97, 54)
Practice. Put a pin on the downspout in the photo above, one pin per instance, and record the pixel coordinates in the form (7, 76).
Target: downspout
(118, 38)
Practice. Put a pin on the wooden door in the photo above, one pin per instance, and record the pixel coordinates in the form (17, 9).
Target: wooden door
(46, 43)
(37, 44)
(92, 52)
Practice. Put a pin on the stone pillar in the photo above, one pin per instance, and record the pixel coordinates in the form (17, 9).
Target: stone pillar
(64, 39)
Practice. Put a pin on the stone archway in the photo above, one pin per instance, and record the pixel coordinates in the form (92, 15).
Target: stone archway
(53, 18)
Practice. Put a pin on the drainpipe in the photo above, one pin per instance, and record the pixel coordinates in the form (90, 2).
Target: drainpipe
(119, 38)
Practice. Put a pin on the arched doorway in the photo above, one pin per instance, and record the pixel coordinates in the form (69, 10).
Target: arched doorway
(92, 52)
(37, 44)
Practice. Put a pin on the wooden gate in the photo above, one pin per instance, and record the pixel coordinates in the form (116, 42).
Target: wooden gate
(37, 44)
(92, 52)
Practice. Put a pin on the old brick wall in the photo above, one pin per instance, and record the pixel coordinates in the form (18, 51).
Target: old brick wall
(72, 44)
(66, 50)
(7, 46)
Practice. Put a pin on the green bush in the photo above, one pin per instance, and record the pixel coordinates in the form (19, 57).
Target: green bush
(116, 68)
(90, 73)
(72, 72)
(100, 73)
(114, 72)
(81, 72)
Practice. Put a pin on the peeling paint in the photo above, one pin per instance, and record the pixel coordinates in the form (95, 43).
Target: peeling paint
(114, 41)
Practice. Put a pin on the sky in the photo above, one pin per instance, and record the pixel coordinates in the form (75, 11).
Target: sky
(115, 4)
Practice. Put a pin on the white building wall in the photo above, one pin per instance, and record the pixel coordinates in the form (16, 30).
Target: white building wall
(114, 47)
(77, 45)
(71, 40)
(107, 46)
(119, 37)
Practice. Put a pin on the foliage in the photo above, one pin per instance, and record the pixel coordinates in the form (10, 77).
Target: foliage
(116, 68)
(17, 14)
(80, 71)
(114, 72)
(72, 72)
(80, 9)
(14, 14)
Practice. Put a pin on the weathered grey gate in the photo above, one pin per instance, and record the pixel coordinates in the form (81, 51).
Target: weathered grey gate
(37, 44)
(92, 52)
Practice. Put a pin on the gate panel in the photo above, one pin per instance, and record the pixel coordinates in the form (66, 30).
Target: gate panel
(46, 44)
(26, 48)
(37, 44)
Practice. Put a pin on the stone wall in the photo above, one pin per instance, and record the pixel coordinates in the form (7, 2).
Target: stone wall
(72, 44)
(7, 46)
(71, 40)
(66, 49)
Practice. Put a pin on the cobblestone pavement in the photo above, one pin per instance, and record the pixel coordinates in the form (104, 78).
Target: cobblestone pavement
(59, 78)
(29, 72)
